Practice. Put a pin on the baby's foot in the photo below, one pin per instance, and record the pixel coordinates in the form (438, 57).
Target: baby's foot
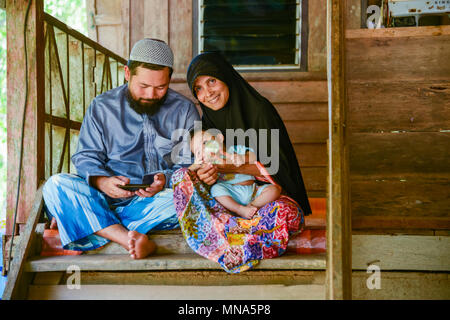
(140, 246)
(247, 212)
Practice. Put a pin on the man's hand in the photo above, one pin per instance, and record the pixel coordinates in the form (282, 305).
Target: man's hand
(109, 185)
(208, 173)
(157, 185)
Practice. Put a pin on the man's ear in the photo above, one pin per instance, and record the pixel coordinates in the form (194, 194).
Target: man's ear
(127, 73)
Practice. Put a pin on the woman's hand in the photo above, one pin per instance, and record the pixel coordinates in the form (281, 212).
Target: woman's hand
(109, 186)
(208, 173)
(158, 184)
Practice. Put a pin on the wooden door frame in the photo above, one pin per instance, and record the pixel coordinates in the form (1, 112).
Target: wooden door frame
(339, 230)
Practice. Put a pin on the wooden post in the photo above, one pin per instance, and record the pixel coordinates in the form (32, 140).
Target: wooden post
(339, 266)
(33, 147)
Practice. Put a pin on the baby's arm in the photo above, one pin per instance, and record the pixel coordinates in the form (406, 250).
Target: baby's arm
(240, 159)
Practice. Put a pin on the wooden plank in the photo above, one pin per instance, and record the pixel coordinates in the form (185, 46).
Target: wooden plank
(311, 154)
(180, 34)
(404, 32)
(338, 214)
(285, 76)
(400, 153)
(303, 111)
(417, 253)
(376, 106)
(125, 28)
(116, 262)
(91, 12)
(137, 23)
(111, 21)
(198, 277)
(48, 278)
(390, 222)
(307, 131)
(317, 35)
(33, 149)
(124, 292)
(419, 196)
(315, 178)
(402, 285)
(374, 58)
(277, 91)
(353, 15)
(292, 91)
(156, 20)
(18, 279)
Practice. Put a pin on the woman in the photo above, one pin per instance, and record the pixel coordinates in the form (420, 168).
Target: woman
(229, 102)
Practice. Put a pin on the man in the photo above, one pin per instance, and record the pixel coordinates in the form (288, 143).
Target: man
(126, 134)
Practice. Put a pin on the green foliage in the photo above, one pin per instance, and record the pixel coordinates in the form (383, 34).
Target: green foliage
(71, 12)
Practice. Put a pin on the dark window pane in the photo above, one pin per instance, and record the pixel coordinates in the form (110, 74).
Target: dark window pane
(252, 32)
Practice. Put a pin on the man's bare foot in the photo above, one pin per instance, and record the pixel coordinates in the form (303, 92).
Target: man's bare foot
(247, 212)
(140, 246)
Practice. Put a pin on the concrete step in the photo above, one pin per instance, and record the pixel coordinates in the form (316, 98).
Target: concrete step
(186, 261)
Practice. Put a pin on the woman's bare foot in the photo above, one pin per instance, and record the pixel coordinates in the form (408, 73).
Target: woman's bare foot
(247, 212)
(140, 246)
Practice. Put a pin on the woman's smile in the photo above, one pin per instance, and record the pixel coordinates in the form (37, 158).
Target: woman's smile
(212, 92)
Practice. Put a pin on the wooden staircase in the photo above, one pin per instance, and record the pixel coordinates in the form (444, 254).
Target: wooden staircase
(173, 272)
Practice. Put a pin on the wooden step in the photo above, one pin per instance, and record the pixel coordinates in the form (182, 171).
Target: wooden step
(186, 261)
(155, 292)
(167, 242)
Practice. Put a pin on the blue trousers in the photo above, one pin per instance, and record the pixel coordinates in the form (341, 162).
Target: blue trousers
(81, 210)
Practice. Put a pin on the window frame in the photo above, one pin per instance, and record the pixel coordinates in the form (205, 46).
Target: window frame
(301, 45)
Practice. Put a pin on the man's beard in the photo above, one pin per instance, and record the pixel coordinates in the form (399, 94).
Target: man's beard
(148, 106)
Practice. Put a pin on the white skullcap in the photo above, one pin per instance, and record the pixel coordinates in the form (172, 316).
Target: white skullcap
(152, 51)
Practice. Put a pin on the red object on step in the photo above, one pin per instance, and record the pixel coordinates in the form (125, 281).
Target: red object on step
(51, 245)
(308, 241)
(313, 238)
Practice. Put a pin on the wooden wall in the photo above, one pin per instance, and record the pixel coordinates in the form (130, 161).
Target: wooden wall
(398, 83)
(300, 97)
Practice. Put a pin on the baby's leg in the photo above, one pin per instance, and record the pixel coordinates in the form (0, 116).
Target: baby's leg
(269, 194)
(244, 211)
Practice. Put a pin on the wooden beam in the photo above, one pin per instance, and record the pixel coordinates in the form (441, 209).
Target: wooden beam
(401, 252)
(339, 282)
(403, 285)
(120, 292)
(33, 148)
(187, 261)
(18, 279)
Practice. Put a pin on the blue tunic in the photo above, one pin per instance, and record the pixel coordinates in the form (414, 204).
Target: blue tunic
(115, 140)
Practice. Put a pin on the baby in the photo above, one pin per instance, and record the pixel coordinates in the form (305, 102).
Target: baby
(236, 192)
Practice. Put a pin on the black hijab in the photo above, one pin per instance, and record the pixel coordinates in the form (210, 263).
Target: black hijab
(246, 109)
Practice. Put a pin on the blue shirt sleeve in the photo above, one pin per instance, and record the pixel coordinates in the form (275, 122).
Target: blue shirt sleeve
(90, 157)
(182, 147)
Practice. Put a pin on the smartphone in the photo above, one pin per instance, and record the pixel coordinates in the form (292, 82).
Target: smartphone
(134, 187)
(148, 178)
(146, 182)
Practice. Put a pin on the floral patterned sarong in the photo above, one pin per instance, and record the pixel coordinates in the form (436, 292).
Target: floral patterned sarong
(237, 244)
